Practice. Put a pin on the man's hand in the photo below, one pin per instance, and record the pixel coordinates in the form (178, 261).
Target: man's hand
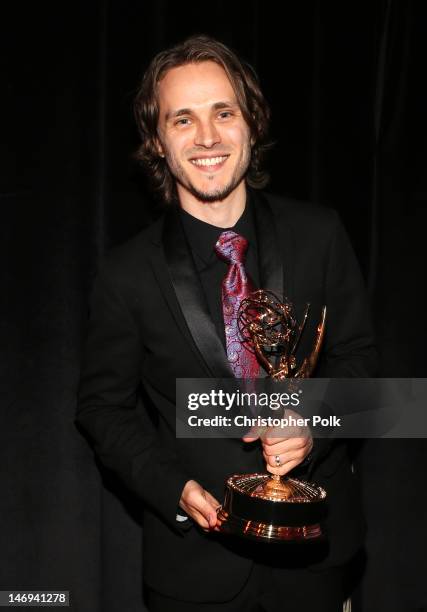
(200, 505)
(283, 449)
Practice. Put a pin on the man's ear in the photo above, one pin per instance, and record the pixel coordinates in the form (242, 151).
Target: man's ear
(159, 148)
(253, 140)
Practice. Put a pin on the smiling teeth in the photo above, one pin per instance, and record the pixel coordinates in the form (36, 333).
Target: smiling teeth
(211, 161)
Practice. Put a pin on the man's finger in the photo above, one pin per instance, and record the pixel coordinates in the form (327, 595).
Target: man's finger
(286, 446)
(208, 513)
(211, 509)
(203, 514)
(284, 459)
(200, 520)
(212, 500)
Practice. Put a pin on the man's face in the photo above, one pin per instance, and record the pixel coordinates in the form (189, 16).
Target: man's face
(202, 133)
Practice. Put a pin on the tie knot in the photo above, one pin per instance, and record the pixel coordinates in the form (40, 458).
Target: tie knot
(231, 247)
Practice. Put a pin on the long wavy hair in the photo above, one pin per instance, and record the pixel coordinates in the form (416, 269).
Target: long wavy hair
(245, 84)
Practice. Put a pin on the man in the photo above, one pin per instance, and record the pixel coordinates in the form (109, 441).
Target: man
(159, 311)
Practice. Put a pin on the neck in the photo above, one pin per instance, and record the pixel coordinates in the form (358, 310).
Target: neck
(224, 213)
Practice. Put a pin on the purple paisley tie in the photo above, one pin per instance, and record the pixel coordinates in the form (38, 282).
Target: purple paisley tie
(236, 286)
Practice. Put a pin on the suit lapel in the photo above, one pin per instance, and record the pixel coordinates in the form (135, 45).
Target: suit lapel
(188, 290)
(191, 299)
(269, 251)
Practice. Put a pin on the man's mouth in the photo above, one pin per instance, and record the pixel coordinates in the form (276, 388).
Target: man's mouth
(209, 162)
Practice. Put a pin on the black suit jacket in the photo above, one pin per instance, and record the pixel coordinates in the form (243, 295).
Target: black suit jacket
(150, 323)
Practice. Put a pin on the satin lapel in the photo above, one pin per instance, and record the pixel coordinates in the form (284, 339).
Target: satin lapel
(191, 299)
(270, 255)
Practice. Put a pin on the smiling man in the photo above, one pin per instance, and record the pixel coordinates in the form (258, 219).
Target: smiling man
(164, 306)
(204, 137)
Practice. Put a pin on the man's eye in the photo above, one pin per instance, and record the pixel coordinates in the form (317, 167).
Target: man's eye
(183, 121)
(225, 114)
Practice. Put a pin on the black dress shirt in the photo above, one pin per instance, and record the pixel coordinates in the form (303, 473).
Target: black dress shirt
(202, 238)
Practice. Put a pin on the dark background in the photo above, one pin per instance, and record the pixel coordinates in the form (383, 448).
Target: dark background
(346, 83)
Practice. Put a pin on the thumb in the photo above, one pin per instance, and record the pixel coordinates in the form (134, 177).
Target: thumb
(253, 434)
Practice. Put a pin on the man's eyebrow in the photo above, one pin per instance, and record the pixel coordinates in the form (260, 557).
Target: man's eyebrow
(178, 113)
(187, 111)
(225, 104)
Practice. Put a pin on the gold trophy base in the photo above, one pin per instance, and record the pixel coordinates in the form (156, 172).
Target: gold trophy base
(272, 509)
(261, 531)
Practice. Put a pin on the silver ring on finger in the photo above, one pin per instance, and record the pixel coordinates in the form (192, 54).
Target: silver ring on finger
(277, 460)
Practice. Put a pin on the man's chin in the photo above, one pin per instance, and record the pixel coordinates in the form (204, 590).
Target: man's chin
(214, 195)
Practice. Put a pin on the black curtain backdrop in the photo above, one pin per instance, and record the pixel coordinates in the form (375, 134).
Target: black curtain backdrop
(346, 83)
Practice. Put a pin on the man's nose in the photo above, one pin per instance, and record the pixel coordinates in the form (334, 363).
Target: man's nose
(207, 135)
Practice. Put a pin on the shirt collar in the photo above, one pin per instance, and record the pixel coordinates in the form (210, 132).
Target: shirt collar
(203, 236)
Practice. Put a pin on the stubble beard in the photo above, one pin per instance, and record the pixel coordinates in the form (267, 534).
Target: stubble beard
(181, 177)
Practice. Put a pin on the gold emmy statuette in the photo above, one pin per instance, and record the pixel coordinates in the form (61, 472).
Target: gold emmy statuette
(267, 507)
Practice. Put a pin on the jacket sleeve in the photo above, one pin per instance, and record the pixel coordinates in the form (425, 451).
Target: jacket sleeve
(349, 349)
(124, 440)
